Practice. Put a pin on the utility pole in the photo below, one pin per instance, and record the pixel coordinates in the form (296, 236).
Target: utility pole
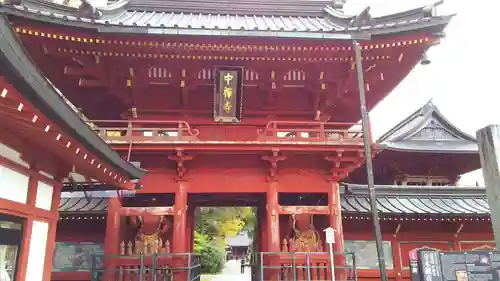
(365, 121)
(489, 151)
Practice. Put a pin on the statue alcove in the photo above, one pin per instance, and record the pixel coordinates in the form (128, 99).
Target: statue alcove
(149, 231)
(303, 232)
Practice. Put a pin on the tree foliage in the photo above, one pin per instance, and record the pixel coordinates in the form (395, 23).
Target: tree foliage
(211, 257)
(223, 222)
(213, 226)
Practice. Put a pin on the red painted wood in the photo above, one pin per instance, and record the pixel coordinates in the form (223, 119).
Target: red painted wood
(180, 220)
(112, 239)
(51, 237)
(273, 218)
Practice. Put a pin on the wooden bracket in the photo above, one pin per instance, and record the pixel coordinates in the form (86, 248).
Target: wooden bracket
(273, 160)
(339, 171)
(396, 231)
(180, 158)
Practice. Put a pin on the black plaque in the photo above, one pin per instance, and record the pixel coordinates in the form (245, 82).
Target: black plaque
(429, 265)
(228, 90)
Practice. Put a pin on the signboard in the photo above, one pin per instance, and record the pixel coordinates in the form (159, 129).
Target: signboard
(71, 257)
(429, 265)
(471, 266)
(228, 90)
(458, 266)
(413, 258)
(330, 240)
(330, 235)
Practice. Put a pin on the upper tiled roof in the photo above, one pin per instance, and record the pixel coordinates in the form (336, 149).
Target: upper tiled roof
(429, 131)
(225, 17)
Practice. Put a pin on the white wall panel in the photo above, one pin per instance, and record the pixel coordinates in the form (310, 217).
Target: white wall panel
(13, 185)
(12, 155)
(38, 245)
(44, 196)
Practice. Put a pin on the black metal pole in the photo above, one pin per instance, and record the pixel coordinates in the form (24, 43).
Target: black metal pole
(368, 161)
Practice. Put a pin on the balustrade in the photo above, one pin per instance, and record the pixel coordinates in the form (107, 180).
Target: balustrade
(138, 261)
(300, 131)
(302, 266)
(117, 131)
(296, 132)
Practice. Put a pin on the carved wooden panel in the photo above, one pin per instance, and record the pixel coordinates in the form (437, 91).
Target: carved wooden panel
(406, 247)
(477, 245)
(295, 75)
(207, 74)
(250, 75)
(433, 131)
(159, 75)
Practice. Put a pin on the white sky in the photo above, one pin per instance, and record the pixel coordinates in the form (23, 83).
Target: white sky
(461, 75)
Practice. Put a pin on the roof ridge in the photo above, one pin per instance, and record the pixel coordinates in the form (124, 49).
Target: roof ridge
(257, 7)
(403, 190)
(427, 112)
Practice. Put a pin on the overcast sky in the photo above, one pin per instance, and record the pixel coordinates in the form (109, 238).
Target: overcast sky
(462, 79)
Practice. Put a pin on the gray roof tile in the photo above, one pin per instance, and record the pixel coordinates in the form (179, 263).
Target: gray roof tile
(392, 200)
(250, 15)
(417, 200)
(428, 130)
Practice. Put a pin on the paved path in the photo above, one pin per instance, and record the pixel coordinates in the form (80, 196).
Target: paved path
(232, 272)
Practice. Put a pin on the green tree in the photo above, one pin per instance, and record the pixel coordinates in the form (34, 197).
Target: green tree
(212, 258)
(213, 226)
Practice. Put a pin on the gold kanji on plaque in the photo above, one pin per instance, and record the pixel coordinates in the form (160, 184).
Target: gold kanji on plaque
(228, 93)
(228, 78)
(227, 106)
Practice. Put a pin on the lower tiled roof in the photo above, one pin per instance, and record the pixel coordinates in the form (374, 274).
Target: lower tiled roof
(392, 200)
(422, 200)
(83, 205)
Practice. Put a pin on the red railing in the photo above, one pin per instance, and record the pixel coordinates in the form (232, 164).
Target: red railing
(144, 130)
(297, 132)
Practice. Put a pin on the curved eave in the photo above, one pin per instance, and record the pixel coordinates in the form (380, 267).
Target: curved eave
(434, 147)
(23, 74)
(418, 200)
(142, 26)
(83, 206)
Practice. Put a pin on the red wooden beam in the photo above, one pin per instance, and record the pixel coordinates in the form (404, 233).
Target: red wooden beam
(82, 82)
(25, 210)
(141, 211)
(308, 210)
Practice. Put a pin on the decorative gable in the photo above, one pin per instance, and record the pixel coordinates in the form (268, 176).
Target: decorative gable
(428, 130)
(434, 131)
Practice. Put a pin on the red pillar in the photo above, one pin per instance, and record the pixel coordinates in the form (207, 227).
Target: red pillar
(112, 238)
(180, 221)
(28, 227)
(335, 219)
(262, 228)
(51, 238)
(273, 231)
(180, 231)
(191, 222)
